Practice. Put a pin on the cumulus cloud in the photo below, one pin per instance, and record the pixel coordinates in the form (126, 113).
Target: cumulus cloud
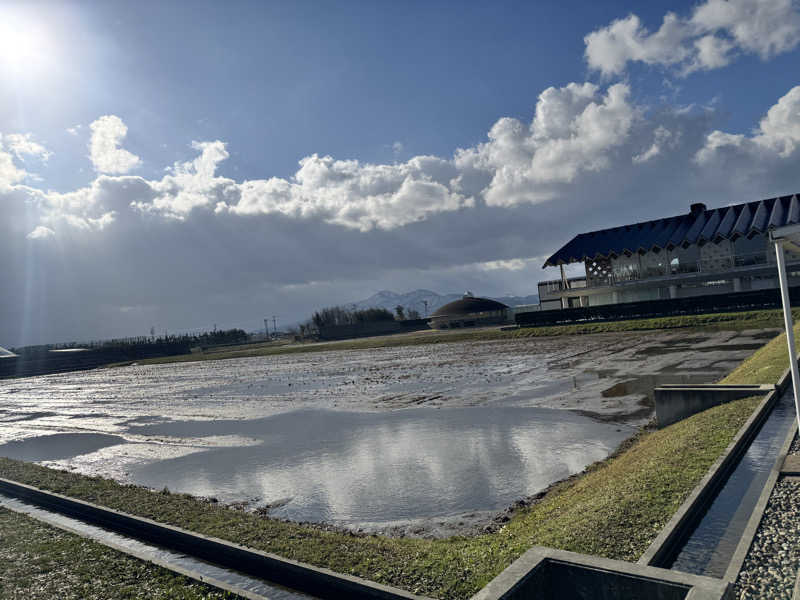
(662, 138)
(18, 145)
(356, 195)
(776, 137)
(586, 156)
(575, 129)
(23, 144)
(10, 173)
(105, 152)
(711, 37)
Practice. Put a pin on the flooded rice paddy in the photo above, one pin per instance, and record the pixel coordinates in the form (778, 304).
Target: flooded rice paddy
(423, 439)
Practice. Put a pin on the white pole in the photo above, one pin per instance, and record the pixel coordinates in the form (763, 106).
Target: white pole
(787, 323)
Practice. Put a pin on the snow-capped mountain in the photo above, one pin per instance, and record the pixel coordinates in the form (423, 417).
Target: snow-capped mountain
(416, 300)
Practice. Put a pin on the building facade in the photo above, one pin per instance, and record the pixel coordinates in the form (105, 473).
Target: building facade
(707, 251)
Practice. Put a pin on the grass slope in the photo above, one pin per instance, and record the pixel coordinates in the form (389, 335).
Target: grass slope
(38, 562)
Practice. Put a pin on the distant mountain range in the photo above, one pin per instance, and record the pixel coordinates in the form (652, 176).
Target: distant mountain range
(416, 300)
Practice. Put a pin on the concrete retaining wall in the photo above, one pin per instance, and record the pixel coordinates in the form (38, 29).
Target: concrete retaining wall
(322, 583)
(749, 533)
(677, 402)
(682, 523)
(547, 574)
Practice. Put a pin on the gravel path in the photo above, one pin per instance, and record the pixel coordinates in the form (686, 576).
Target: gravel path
(772, 564)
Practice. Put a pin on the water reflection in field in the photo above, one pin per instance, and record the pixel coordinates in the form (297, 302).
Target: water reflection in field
(356, 468)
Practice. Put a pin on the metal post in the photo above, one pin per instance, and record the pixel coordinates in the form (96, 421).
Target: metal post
(789, 325)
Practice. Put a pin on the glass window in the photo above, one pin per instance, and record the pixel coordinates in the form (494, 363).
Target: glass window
(750, 251)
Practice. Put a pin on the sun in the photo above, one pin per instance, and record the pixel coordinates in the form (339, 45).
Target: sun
(24, 46)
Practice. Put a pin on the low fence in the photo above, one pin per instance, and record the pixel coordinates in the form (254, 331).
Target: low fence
(344, 332)
(43, 362)
(736, 302)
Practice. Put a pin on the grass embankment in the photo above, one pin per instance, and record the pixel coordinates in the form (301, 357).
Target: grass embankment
(38, 562)
(757, 319)
(614, 509)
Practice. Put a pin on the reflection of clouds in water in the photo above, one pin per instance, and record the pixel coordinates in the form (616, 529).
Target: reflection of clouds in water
(117, 461)
(384, 467)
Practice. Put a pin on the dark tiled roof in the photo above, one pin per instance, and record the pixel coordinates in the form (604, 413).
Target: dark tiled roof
(467, 306)
(699, 226)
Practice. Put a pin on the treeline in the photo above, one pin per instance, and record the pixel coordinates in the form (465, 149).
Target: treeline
(339, 315)
(207, 338)
(335, 316)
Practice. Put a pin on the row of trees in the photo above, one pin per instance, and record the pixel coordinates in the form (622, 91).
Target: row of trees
(206, 338)
(339, 315)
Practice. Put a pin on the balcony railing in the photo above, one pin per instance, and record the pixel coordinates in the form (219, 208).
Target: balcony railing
(711, 265)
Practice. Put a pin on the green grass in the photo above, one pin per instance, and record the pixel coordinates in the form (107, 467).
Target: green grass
(740, 320)
(40, 562)
(614, 509)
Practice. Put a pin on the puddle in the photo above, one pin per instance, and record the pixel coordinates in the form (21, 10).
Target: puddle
(58, 446)
(356, 468)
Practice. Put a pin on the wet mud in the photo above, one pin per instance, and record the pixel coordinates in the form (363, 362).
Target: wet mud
(417, 440)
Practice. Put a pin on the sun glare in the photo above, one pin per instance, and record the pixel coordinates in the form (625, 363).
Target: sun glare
(24, 46)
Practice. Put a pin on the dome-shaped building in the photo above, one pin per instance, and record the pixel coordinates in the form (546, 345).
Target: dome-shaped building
(469, 311)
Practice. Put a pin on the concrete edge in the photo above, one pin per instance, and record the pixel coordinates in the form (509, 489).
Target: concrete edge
(749, 533)
(292, 574)
(684, 517)
(504, 584)
(766, 387)
(144, 556)
(796, 590)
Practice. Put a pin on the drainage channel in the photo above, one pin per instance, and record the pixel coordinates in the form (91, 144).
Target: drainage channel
(214, 575)
(709, 548)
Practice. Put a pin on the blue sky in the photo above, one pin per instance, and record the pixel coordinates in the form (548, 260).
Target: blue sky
(184, 124)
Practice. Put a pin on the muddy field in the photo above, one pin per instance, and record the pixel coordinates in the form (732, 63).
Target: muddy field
(407, 437)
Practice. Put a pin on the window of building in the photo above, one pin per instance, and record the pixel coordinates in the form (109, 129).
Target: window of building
(750, 251)
(625, 268)
(654, 264)
(685, 260)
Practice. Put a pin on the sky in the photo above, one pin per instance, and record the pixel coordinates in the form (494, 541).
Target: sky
(180, 165)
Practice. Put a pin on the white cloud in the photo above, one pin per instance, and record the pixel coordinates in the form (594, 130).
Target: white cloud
(662, 137)
(715, 33)
(17, 145)
(23, 144)
(575, 129)
(74, 130)
(356, 195)
(10, 174)
(777, 136)
(587, 158)
(104, 147)
(193, 184)
(41, 232)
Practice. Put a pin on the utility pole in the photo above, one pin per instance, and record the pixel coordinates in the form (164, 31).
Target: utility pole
(266, 328)
(274, 325)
